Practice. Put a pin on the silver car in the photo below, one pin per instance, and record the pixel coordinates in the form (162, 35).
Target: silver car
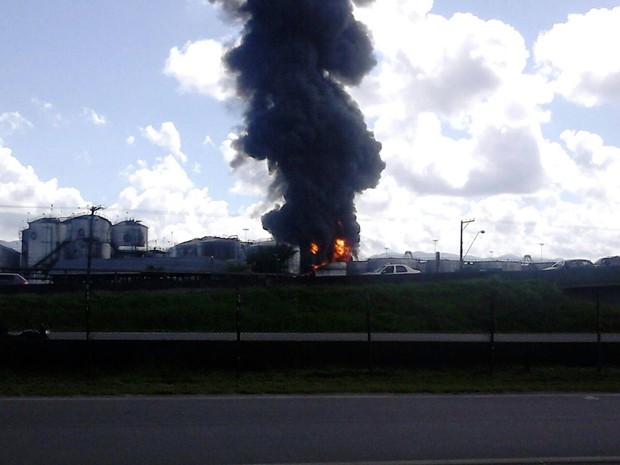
(395, 269)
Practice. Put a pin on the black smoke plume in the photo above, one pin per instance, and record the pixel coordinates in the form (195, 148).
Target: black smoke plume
(291, 65)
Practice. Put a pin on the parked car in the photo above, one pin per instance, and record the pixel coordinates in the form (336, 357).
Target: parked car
(608, 261)
(570, 264)
(12, 279)
(394, 269)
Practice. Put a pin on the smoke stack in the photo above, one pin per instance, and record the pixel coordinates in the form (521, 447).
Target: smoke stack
(291, 66)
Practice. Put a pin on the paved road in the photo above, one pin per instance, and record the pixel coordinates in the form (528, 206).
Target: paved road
(310, 429)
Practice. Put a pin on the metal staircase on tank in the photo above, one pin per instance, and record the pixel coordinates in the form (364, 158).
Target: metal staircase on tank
(48, 262)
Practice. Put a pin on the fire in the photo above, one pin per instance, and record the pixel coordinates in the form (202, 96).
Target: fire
(342, 250)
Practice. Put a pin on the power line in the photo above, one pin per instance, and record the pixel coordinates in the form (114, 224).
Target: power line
(53, 208)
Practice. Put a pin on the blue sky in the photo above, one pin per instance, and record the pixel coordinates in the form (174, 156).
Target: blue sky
(498, 110)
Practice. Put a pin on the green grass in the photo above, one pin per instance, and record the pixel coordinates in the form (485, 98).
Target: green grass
(313, 381)
(459, 306)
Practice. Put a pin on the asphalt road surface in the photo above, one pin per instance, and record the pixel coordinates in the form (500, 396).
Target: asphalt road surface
(372, 429)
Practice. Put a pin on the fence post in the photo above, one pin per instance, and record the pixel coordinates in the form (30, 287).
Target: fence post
(492, 330)
(599, 344)
(368, 333)
(238, 327)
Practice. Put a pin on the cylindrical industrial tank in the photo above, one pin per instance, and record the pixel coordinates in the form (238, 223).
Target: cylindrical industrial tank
(221, 248)
(186, 249)
(78, 232)
(129, 237)
(41, 239)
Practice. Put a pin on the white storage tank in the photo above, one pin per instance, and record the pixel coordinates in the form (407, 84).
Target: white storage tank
(186, 249)
(41, 240)
(221, 248)
(78, 232)
(129, 237)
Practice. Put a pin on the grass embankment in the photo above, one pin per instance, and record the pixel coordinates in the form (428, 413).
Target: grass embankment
(465, 306)
(314, 381)
(461, 306)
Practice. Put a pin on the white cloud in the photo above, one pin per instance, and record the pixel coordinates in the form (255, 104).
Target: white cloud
(93, 117)
(579, 57)
(461, 123)
(167, 137)
(48, 109)
(167, 174)
(12, 122)
(589, 149)
(131, 140)
(166, 199)
(198, 68)
(457, 116)
(21, 187)
(172, 206)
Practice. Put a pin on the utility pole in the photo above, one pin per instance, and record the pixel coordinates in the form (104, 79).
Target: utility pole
(89, 257)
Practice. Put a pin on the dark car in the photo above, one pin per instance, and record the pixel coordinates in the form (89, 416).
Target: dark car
(570, 264)
(12, 279)
(608, 261)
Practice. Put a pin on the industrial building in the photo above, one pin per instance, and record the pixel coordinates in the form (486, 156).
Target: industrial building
(59, 245)
(48, 241)
(55, 246)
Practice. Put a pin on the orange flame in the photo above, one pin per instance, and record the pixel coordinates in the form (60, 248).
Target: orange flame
(342, 250)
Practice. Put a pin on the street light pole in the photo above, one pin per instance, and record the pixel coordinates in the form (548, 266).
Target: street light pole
(472, 242)
(464, 224)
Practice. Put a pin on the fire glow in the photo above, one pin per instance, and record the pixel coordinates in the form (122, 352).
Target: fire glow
(342, 251)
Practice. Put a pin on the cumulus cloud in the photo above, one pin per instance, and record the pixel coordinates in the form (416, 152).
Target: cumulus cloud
(462, 61)
(198, 67)
(170, 203)
(21, 187)
(578, 57)
(461, 120)
(451, 103)
(167, 137)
